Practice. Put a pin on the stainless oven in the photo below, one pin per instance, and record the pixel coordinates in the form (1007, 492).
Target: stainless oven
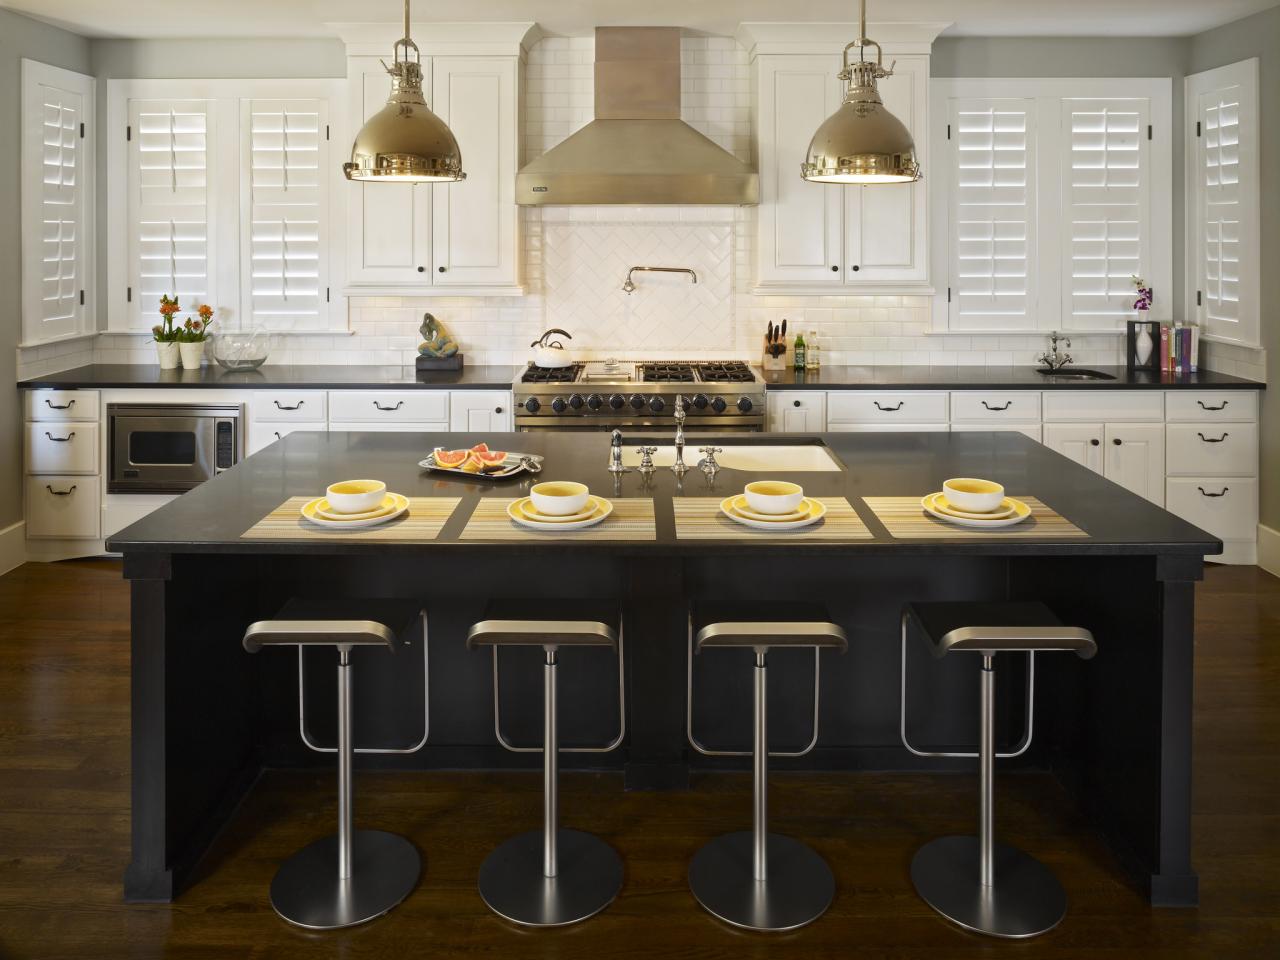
(171, 447)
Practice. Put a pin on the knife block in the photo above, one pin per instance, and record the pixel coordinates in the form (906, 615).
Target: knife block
(769, 362)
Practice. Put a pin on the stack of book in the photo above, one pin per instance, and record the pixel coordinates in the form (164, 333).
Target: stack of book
(1179, 347)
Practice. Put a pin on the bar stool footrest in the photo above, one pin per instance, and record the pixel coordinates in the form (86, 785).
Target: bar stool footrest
(308, 893)
(1025, 899)
(799, 888)
(588, 879)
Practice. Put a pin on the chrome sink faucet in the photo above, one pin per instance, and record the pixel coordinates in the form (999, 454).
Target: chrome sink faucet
(615, 454)
(1052, 358)
(678, 466)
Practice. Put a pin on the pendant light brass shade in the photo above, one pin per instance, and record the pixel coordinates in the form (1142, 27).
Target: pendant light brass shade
(405, 142)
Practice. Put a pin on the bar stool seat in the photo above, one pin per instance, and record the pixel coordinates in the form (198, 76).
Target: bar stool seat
(982, 885)
(354, 875)
(752, 878)
(553, 876)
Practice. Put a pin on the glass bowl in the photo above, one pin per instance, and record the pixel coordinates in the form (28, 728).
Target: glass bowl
(241, 351)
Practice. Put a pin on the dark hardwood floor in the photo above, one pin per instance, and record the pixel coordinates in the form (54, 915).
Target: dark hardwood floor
(64, 820)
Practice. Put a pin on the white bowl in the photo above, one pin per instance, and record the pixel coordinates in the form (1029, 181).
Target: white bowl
(559, 498)
(355, 496)
(972, 495)
(773, 496)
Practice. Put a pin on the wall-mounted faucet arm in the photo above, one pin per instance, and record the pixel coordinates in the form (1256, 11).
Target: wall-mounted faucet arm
(629, 285)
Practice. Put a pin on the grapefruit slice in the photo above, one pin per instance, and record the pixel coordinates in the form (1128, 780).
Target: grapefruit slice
(451, 458)
(489, 458)
(480, 448)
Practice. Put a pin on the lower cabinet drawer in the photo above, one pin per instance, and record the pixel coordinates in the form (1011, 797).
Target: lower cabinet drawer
(68, 507)
(392, 406)
(264, 434)
(289, 406)
(1225, 506)
(1219, 450)
(1032, 430)
(67, 447)
(847, 427)
(390, 426)
(979, 406)
(1206, 406)
(865, 406)
(62, 404)
(1108, 406)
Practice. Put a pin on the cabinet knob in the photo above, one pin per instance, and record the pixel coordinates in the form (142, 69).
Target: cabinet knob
(795, 403)
(1117, 441)
(440, 269)
(855, 268)
(497, 409)
(422, 269)
(1094, 442)
(834, 268)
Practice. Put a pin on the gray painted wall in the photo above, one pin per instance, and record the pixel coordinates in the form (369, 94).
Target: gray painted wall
(20, 37)
(1259, 36)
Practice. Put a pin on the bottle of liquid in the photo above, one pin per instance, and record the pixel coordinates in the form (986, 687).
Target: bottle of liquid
(798, 353)
(812, 351)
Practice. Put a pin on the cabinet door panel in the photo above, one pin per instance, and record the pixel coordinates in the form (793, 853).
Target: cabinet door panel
(1081, 442)
(797, 412)
(479, 411)
(1135, 458)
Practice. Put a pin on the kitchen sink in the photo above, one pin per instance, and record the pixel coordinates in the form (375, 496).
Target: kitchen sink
(749, 458)
(1074, 374)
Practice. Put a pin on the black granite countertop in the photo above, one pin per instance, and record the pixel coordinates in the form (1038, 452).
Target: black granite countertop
(212, 517)
(992, 378)
(269, 377)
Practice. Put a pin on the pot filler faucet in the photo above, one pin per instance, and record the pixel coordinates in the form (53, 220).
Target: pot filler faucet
(630, 285)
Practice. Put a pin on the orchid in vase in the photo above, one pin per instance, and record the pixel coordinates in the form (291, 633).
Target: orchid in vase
(1144, 342)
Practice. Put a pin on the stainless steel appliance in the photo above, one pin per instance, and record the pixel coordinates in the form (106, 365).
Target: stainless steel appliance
(724, 396)
(169, 448)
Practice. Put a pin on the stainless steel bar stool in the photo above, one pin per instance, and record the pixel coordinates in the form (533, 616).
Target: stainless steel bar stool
(982, 885)
(553, 876)
(756, 879)
(355, 875)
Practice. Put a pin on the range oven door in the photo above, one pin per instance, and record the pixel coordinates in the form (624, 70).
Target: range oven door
(170, 448)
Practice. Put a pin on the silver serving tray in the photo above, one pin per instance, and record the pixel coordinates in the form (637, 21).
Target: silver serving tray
(513, 464)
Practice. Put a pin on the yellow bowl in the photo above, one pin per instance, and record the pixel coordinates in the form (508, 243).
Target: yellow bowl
(355, 496)
(773, 496)
(974, 496)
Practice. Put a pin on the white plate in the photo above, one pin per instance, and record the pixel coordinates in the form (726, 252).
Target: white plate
(739, 506)
(602, 509)
(309, 513)
(325, 510)
(814, 509)
(1021, 512)
(943, 505)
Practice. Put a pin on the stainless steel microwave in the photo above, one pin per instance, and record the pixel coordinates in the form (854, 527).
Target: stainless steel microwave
(172, 447)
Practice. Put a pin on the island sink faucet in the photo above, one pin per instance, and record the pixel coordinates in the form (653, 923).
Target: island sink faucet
(630, 285)
(1052, 358)
(678, 465)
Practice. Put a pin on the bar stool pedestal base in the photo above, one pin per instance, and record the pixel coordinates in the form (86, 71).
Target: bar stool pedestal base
(1026, 899)
(798, 890)
(307, 891)
(588, 879)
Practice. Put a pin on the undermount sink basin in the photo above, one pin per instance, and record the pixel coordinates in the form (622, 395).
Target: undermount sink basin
(1074, 374)
(749, 458)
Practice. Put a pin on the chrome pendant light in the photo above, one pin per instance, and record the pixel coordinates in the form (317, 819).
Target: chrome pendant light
(862, 142)
(405, 141)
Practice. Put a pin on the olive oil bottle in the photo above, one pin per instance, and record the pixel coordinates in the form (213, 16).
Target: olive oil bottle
(798, 353)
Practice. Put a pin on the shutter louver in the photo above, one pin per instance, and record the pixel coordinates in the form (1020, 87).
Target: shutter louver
(61, 212)
(1220, 168)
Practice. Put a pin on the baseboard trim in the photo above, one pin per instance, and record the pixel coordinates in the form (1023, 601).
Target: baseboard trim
(1269, 550)
(13, 547)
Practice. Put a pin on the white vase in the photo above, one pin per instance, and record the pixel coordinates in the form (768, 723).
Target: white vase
(1143, 345)
(192, 355)
(167, 353)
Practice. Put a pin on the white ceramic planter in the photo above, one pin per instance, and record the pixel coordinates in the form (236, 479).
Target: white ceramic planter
(192, 355)
(168, 355)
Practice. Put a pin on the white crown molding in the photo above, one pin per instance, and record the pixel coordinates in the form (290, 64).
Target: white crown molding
(452, 39)
(818, 38)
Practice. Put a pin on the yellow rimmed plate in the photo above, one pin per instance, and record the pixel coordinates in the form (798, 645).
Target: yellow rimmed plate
(742, 509)
(309, 512)
(1020, 512)
(325, 510)
(601, 508)
(812, 511)
(531, 512)
(943, 505)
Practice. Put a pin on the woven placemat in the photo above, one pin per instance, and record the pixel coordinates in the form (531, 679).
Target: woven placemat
(699, 518)
(632, 519)
(905, 519)
(422, 521)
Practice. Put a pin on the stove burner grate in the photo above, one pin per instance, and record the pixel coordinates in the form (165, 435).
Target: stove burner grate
(666, 372)
(733, 371)
(534, 374)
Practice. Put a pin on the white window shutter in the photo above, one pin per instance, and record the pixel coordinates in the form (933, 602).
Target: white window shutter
(284, 215)
(993, 214)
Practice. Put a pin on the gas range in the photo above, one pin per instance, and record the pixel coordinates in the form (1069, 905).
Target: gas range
(724, 395)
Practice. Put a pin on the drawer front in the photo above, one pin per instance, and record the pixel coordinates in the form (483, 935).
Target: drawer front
(70, 447)
(289, 406)
(264, 434)
(847, 427)
(1226, 450)
(390, 406)
(980, 407)
(1226, 507)
(858, 406)
(62, 404)
(1032, 430)
(1109, 406)
(1204, 406)
(68, 507)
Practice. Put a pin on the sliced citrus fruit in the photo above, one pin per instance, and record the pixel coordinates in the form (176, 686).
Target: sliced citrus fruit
(451, 458)
(489, 457)
(480, 448)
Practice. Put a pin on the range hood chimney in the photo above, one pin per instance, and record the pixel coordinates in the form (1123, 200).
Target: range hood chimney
(637, 150)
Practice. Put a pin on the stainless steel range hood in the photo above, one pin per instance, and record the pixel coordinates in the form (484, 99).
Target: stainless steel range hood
(637, 150)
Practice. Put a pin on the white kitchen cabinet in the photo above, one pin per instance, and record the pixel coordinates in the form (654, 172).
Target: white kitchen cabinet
(1216, 450)
(57, 405)
(289, 406)
(1134, 458)
(1081, 442)
(886, 408)
(797, 411)
(264, 434)
(995, 407)
(70, 447)
(480, 411)
(387, 406)
(1226, 507)
(1032, 430)
(68, 507)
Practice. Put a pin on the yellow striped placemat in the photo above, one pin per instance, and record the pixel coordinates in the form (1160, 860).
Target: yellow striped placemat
(905, 519)
(632, 519)
(699, 518)
(423, 520)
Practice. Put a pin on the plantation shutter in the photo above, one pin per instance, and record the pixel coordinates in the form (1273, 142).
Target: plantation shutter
(172, 235)
(284, 213)
(1105, 208)
(993, 215)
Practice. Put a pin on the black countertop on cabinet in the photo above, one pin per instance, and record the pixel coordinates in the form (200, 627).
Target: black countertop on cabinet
(992, 378)
(102, 376)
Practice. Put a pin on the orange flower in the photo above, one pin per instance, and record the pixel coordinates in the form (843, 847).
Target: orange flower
(205, 311)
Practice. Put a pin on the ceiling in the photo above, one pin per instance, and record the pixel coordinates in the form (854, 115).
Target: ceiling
(307, 18)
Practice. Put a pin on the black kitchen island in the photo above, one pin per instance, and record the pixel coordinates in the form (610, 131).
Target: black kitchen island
(207, 718)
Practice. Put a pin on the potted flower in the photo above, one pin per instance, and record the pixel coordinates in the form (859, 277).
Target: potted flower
(192, 336)
(164, 334)
(1144, 342)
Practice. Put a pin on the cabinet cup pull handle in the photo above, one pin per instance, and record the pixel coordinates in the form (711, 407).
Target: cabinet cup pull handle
(1007, 405)
(61, 493)
(59, 406)
(887, 409)
(296, 406)
(399, 404)
(1213, 439)
(1221, 406)
(1206, 493)
(60, 439)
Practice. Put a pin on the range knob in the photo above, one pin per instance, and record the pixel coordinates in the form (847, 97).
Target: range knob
(558, 405)
(576, 401)
(616, 401)
(657, 405)
(700, 401)
(744, 404)
(637, 402)
(595, 401)
(532, 405)
(718, 404)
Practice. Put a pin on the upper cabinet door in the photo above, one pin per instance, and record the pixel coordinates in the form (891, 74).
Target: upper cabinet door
(474, 222)
(390, 223)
